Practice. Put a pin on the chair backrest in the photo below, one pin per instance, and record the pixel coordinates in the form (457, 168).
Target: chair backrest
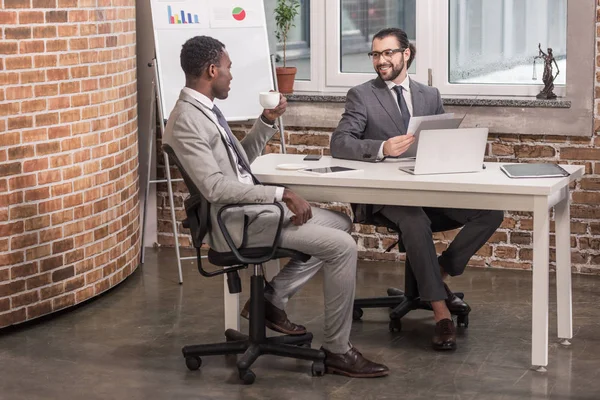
(197, 208)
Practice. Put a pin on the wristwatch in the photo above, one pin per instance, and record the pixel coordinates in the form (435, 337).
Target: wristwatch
(267, 121)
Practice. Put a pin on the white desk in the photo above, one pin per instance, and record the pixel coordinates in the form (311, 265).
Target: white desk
(383, 183)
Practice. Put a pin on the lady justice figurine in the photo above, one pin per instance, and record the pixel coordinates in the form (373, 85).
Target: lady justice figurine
(547, 78)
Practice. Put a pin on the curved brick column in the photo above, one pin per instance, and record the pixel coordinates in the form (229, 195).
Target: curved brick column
(68, 153)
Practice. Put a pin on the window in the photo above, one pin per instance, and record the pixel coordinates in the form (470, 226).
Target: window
(495, 42)
(470, 47)
(298, 43)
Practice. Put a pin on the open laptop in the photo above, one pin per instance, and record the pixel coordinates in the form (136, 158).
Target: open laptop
(449, 151)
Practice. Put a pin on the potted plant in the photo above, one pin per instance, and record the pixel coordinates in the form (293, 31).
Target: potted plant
(285, 13)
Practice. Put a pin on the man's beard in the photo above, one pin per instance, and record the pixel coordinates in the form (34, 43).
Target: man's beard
(396, 71)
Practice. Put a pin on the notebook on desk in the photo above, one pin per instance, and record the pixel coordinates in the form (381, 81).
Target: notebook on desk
(537, 170)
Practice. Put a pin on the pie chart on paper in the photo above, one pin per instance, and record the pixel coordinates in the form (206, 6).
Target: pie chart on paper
(239, 14)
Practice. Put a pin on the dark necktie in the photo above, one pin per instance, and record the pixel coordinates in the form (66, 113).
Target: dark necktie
(403, 107)
(232, 139)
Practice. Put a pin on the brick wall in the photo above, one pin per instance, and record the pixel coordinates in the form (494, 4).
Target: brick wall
(511, 246)
(68, 153)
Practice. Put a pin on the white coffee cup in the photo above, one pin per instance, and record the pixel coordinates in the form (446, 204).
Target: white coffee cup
(269, 100)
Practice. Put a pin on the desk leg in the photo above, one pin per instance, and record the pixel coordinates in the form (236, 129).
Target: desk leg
(539, 329)
(232, 307)
(563, 269)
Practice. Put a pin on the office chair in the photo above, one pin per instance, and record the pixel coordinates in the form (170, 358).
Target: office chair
(256, 343)
(401, 302)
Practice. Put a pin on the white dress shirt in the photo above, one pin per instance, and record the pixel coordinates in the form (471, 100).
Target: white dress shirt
(243, 175)
(407, 98)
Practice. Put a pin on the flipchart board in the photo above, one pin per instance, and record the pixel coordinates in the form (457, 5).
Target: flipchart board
(240, 25)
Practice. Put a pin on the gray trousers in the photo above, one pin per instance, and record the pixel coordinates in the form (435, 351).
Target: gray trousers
(417, 225)
(326, 238)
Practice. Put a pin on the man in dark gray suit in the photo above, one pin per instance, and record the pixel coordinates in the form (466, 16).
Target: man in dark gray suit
(374, 127)
(219, 165)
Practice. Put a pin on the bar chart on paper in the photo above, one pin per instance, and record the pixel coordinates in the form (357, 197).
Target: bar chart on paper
(181, 17)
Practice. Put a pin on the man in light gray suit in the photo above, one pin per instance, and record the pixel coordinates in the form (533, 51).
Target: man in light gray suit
(219, 165)
(374, 127)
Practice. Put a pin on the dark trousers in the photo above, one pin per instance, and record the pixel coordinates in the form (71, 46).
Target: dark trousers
(417, 225)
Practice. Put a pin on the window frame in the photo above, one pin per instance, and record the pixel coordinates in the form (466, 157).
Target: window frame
(432, 60)
(441, 68)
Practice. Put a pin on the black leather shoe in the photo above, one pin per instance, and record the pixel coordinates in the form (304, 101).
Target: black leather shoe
(455, 304)
(353, 364)
(276, 319)
(444, 337)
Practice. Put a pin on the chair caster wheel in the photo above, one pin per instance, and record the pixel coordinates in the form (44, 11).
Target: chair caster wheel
(193, 363)
(395, 325)
(247, 376)
(357, 314)
(318, 368)
(463, 320)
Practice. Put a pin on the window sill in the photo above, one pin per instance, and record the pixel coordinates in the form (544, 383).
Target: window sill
(521, 102)
(515, 115)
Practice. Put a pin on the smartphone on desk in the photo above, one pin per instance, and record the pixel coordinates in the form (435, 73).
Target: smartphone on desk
(312, 157)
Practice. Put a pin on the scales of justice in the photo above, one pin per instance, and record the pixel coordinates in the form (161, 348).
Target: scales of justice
(548, 79)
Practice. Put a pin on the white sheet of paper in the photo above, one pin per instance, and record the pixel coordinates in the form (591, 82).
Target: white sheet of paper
(414, 123)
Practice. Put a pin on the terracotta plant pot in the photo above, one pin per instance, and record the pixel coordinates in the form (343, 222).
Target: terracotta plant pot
(285, 79)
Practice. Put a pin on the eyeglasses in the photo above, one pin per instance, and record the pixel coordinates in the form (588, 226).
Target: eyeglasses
(389, 53)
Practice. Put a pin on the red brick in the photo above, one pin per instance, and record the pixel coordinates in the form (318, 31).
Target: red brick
(50, 206)
(56, 16)
(63, 273)
(33, 106)
(44, 3)
(37, 194)
(35, 165)
(20, 122)
(51, 263)
(24, 299)
(25, 211)
(10, 169)
(22, 32)
(37, 223)
(9, 48)
(46, 31)
(11, 288)
(9, 17)
(46, 119)
(11, 258)
(23, 181)
(34, 46)
(576, 153)
(46, 90)
(19, 92)
(56, 45)
(39, 309)
(65, 301)
(20, 152)
(49, 235)
(12, 228)
(32, 77)
(48, 148)
(13, 317)
(45, 177)
(62, 246)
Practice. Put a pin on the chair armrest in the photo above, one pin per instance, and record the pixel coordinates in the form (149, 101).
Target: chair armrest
(231, 244)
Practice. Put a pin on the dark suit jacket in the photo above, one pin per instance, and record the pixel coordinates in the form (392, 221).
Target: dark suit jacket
(371, 117)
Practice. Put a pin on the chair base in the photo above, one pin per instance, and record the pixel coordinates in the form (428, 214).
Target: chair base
(400, 305)
(256, 344)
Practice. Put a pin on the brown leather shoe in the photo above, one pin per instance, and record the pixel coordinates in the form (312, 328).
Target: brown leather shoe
(353, 364)
(276, 319)
(444, 337)
(455, 304)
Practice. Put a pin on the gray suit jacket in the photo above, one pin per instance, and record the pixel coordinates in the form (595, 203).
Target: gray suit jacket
(203, 153)
(371, 117)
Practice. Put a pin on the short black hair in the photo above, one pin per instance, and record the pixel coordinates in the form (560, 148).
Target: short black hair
(198, 53)
(402, 40)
